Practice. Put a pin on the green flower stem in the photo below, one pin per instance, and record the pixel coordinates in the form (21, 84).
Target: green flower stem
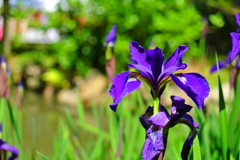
(155, 105)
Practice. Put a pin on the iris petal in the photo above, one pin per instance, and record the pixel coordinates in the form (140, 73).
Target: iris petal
(144, 71)
(144, 118)
(194, 85)
(238, 19)
(189, 141)
(160, 119)
(235, 45)
(123, 83)
(176, 58)
(154, 144)
(155, 59)
(171, 70)
(221, 65)
(9, 148)
(179, 106)
(137, 54)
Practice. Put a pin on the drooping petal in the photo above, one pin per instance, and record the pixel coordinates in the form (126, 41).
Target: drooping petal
(194, 85)
(187, 119)
(123, 83)
(179, 106)
(137, 54)
(144, 118)
(187, 146)
(111, 37)
(155, 59)
(154, 144)
(235, 45)
(176, 58)
(238, 19)
(221, 65)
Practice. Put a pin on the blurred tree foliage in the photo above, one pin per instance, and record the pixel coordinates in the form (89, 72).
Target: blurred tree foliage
(83, 25)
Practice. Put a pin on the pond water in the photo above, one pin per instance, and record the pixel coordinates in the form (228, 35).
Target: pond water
(44, 115)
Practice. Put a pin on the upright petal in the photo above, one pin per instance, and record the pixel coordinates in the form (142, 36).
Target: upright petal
(179, 106)
(221, 65)
(235, 45)
(137, 54)
(171, 70)
(155, 59)
(194, 85)
(123, 83)
(111, 37)
(238, 19)
(176, 58)
(143, 70)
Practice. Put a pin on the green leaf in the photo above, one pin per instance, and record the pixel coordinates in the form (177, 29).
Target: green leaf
(42, 156)
(71, 122)
(223, 119)
(196, 149)
(217, 20)
(13, 120)
(233, 118)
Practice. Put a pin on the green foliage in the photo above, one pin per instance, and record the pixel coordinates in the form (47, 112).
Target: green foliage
(83, 25)
(42, 156)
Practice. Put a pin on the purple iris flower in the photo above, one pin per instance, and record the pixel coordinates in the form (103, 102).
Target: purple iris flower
(157, 73)
(5, 147)
(110, 56)
(234, 69)
(156, 139)
(111, 37)
(234, 52)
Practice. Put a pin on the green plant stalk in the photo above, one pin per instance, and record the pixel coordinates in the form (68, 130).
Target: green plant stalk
(196, 149)
(156, 102)
(4, 120)
(223, 122)
(10, 111)
(223, 118)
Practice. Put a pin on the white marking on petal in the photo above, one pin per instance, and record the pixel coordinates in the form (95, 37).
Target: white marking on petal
(182, 79)
(131, 80)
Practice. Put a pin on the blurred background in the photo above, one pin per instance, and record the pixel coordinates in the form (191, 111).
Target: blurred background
(56, 47)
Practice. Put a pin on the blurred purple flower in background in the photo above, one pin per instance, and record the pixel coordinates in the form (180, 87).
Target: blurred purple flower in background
(110, 55)
(6, 147)
(4, 75)
(111, 37)
(228, 63)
